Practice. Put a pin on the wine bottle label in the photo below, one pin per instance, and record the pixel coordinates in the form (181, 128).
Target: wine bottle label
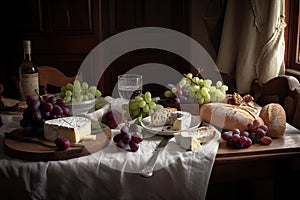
(29, 83)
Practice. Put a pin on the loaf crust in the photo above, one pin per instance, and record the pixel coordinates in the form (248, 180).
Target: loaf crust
(227, 116)
(274, 117)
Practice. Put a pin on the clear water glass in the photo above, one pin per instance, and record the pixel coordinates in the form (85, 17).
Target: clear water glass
(128, 84)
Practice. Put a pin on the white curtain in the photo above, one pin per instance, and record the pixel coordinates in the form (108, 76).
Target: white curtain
(252, 43)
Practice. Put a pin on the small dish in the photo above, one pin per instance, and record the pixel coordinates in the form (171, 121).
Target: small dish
(159, 130)
(83, 107)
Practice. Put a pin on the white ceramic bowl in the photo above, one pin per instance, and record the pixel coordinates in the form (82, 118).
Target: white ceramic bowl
(84, 107)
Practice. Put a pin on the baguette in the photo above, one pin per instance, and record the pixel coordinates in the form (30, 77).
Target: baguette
(227, 116)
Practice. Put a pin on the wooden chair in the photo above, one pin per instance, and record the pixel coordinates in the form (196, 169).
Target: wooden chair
(51, 77)
(284, 90)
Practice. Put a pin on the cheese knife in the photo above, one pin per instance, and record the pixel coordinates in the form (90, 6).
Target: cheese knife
(147, 171)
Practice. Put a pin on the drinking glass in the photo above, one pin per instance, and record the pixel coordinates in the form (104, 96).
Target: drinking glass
(128, 84)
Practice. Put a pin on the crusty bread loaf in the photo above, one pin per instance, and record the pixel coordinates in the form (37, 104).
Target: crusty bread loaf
(274, 117)
(227, 116)
(162, 116)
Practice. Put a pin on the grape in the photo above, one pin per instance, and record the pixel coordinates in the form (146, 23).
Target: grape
(142, 104)
(248, 143)
(62, 143)
(126, 138)
(133, 145)
(65, 110)
(260, 132)
(253, 137)
(98, 93)
(250, 127)
(227, 135)
(46, 115)
(236, 137)
(52, 99)
(133, 105)
(146, 108)
(68, 93)
(124, 130)
(57, 110)
(61, 102)
(85, 86)
(133, 128)
(34, 106)
(147, 97)
(236, 131)
(266, 140)
(244, 133)
(264, 127)
(67, 99)
(31, 100)
(121, 144)
(219, 84)
(256, 123)
(37, 116)
(137, 137)
(243, 139)
(118, 137)
(69, 86)
(224, 88)
(48, 107)
(138, 98)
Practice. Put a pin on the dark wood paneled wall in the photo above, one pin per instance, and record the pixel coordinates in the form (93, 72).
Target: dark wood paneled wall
(63, 32)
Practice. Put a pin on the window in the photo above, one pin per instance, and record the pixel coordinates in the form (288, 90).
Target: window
(292, 56)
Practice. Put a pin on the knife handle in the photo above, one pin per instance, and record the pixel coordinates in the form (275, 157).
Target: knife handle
(147, 171)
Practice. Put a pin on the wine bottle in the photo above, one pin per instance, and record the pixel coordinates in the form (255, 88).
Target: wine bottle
(29, 81)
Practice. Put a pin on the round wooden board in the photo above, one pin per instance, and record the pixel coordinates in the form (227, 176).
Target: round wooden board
(38, 152)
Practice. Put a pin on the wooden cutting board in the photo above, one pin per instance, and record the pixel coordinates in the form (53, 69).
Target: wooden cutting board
(38, 152)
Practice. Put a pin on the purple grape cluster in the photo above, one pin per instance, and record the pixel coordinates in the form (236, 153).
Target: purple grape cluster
(39, 109)
(129, 137)
(255, 133)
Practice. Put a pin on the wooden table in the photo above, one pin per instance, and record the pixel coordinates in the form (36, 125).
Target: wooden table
(258, 172)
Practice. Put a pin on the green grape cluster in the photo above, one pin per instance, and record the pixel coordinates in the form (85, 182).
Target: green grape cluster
(192, 89)
(78, 92)
(141, 106)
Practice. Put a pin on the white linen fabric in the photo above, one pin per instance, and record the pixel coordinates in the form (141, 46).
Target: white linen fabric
(252, 43)
(111, 173)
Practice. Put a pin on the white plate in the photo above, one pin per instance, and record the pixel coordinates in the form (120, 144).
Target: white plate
(146, 124)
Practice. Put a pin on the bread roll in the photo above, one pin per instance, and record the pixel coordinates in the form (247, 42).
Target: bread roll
(227, 116)
(274, 117)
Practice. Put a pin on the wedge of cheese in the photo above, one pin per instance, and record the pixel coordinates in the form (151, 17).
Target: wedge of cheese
(171, 119)
(192, 139)
(73, 128)
(183, 121)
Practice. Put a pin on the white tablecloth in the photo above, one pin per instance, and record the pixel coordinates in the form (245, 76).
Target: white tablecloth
(110, 173)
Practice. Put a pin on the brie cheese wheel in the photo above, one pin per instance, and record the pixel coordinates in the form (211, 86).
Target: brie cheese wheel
(72, 128)
(192, 139)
